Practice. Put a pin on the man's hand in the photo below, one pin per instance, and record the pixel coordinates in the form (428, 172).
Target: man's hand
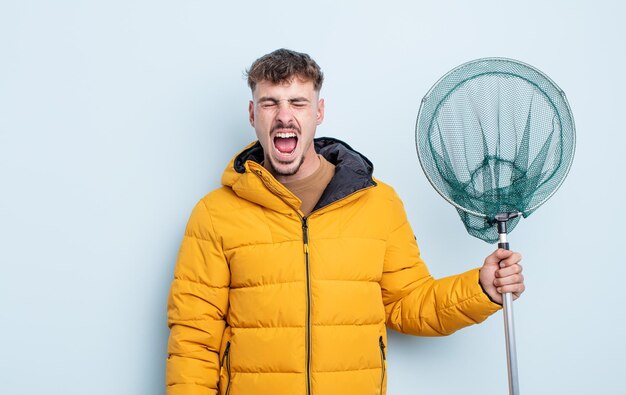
(502, 273)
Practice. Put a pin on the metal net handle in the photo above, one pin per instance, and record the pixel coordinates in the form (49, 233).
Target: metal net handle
(509, 325)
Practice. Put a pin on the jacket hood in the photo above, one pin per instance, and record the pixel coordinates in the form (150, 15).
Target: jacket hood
(353, 171)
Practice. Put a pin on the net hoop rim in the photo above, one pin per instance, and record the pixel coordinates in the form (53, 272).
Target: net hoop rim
(490, 60)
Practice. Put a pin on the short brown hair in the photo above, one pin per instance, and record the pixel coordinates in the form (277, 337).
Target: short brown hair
(282, 65)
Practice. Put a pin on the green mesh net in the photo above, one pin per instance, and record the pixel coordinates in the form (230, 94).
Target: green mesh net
(495, 136)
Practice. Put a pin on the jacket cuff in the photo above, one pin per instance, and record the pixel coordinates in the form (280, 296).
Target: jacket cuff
(479, 306)
(485, 292)
(485, 296)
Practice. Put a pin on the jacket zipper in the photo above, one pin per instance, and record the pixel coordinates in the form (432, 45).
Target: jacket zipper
(305, 238)
(382, 363)
(226, 360)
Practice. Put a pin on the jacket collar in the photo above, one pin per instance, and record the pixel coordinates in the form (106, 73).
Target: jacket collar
(251, 181)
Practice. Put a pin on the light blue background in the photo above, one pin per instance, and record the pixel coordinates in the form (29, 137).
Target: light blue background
(117, 116)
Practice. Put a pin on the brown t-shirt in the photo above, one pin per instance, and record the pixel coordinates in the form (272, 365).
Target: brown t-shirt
(310, 189)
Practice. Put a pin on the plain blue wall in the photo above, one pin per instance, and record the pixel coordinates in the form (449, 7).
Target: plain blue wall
(117, 116)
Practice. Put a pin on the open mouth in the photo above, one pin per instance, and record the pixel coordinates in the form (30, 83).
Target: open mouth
(285, 142)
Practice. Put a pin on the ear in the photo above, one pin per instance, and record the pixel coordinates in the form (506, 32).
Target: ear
(251, 112)
(320, 111)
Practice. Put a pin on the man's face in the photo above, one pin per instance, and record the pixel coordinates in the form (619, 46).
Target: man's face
(285, 117)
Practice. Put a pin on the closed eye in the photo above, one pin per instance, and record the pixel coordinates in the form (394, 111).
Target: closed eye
(268, 104)
(299, 103)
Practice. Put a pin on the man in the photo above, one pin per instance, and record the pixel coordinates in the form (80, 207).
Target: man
(289, 273)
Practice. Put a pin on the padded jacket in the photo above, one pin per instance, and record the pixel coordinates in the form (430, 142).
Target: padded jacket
(268, 301)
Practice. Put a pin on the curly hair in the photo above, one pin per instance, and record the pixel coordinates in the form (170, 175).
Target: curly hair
(281, 66)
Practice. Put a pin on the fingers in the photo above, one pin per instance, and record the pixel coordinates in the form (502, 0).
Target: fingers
(509, 280)
(515, 289)
(509, 277)
(502, 273)
(503, 257)
(508, 258)
(510, 270)
(497, 256)
(507, 255)
(513, 283)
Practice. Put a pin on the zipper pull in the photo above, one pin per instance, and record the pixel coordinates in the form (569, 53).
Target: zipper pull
(382, 347)
(305, 234)
(226, 351)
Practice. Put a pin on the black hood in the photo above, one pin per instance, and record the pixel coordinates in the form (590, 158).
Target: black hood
(353, 171)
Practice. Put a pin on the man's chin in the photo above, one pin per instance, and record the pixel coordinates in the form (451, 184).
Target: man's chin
(285, 169)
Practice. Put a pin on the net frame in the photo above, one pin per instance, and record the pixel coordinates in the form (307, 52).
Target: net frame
(460, 75)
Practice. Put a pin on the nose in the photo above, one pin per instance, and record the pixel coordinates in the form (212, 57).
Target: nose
(284, 113)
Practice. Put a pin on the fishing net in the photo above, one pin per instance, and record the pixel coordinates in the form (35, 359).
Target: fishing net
(496, 139)
(495, 136)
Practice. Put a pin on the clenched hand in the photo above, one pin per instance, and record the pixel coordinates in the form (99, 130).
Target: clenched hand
(502, 273)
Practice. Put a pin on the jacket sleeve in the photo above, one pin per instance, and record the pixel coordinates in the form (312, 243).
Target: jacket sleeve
(197, 305)
(415, 302)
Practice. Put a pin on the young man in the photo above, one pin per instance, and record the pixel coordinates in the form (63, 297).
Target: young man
(290, 272)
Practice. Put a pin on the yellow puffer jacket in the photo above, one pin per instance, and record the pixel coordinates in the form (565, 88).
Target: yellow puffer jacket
(266, 301)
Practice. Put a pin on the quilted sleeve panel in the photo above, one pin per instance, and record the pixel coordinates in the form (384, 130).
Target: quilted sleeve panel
(415, 302)
(197, 306)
